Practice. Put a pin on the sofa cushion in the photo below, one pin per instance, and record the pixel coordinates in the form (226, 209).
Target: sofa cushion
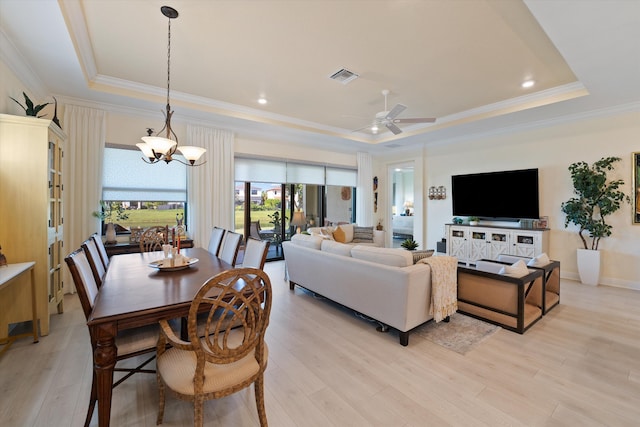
(308, 241)
(518, 269)
(362, 234)
(539, 261)
(336, 248)
(387, 256)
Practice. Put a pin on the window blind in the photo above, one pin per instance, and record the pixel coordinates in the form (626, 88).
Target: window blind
(127, 177)
(258, 170)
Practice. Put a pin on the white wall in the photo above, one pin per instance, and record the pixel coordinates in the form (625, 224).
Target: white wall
(551, 150)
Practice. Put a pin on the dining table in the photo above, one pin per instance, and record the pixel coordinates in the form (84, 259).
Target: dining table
(136, 293)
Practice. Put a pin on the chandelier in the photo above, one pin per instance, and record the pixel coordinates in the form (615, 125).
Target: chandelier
(157, 147)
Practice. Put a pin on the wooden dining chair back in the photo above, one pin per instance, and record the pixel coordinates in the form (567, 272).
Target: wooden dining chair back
(227, 359)
(95, 260)
(230, 247)
(255, 253)
(217, 234)
(131, 343)
(153, 238)
(101, 249)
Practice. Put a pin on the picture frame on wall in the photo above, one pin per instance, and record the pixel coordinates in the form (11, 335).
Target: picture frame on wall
(635, 198)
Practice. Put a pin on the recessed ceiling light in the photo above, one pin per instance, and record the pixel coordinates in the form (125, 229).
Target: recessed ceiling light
(262, 101)
(527, 84)
(374, 129)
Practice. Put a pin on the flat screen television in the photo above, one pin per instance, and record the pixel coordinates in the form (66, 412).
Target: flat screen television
(504, 195)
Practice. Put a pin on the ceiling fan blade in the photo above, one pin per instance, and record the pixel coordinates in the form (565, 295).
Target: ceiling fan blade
(416, 120)
(395, 111)
(393, 128)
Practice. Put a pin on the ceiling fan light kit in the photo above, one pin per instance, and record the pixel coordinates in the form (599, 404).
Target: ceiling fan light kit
(388, 118)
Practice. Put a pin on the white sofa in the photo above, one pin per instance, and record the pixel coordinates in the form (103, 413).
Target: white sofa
(382, 283)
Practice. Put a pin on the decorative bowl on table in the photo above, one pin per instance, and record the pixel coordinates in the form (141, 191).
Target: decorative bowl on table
(166, 265)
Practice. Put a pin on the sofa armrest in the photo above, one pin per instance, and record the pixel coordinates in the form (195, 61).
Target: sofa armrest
(378, 238)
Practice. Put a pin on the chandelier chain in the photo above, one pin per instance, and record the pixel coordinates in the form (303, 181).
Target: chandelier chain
(168, 61)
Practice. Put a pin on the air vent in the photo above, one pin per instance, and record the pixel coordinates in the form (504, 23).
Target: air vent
(343, 76)
(393, 145)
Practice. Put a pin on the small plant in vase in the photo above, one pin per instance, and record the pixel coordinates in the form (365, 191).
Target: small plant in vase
(410, 244)
(473, 220)
(109, 212)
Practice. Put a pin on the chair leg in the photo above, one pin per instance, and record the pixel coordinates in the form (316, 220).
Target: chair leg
(259, 392)
(161, 399)
(93, 399)
(198, 415)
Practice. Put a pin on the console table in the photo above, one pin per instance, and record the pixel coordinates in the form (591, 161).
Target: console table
(7, 276)
(470, 243)
(131, 248)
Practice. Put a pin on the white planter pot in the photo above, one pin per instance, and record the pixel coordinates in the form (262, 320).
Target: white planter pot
(589, 266)
(111, 233)
(473, 222)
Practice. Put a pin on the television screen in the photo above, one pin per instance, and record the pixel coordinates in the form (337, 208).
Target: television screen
(506, 195)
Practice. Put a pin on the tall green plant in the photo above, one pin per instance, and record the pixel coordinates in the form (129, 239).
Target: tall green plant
(596, 198)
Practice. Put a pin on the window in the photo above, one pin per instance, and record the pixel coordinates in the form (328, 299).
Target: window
(151, 194)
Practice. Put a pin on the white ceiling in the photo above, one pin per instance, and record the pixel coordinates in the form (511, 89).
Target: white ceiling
(459, 61)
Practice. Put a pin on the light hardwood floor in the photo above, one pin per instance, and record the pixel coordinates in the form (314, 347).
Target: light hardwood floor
(578, 366)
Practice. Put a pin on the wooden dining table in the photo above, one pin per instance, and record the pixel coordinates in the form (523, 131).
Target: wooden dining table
(134, 294)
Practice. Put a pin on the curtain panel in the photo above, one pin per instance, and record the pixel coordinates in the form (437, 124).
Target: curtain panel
(82, 175)
(210, 186)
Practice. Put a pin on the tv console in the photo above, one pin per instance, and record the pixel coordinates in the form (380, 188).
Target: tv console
(470, 243)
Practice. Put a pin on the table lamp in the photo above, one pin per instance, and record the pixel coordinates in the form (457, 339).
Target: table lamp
(298, 220)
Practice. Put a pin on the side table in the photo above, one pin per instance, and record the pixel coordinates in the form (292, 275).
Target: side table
(7, 274)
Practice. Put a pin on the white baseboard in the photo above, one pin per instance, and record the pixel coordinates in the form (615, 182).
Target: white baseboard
(607, 281)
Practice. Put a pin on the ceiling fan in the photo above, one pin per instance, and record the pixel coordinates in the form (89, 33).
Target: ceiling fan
(387, 118)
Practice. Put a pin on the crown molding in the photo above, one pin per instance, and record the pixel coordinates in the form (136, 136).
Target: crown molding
(76, 25)
(18, 65)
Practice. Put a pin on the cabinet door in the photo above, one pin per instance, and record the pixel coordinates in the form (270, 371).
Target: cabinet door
(499, 244)
(479, 247)
(458, 243)
(524, 244)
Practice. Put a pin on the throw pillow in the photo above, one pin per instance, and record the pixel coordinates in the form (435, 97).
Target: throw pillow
(362, 234)
(339, 235)
(348, 232)
(518, 269)
(539, 261)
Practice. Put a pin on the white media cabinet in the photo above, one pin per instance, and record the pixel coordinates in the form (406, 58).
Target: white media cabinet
(470, 243)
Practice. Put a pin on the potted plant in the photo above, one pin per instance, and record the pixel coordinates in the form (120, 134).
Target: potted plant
(110, 211)
(473, 220)
(29, 108)
(596, 197)
(409, 244)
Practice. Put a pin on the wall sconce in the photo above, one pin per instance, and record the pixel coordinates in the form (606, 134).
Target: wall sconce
(437, 193)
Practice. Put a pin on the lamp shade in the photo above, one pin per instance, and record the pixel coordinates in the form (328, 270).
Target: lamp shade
(159, 144)
(146, 150)
(298, 219)
(191, 153)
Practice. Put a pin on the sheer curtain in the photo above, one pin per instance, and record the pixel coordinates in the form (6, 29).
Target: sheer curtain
(210, 186)
(82, 175)
(364, 199)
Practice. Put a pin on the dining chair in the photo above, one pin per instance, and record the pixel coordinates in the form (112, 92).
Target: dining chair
(255, 253)
(153, 238)
(130, 343)
(95, 261)
(230, 246)
(101, 249)
(227, 359)
(254, 230)
(217, 234)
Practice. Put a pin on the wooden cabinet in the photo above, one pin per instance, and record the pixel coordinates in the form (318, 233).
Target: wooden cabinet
(471, 243)
(31, 202)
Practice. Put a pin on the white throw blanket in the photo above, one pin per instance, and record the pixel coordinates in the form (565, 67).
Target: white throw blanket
(444, 285)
